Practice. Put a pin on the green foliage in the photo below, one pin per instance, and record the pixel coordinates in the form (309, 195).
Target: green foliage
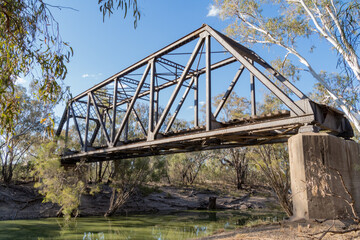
(60, 185)
(341, 85)
(185, 167)
(235, 106)
(16, 145)
(29, 46)
(273, 162)
(158, 168)
(286, 24)
(128, 175)
(234, 158)
(108, 6)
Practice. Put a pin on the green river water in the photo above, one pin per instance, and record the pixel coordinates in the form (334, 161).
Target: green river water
(178, 225)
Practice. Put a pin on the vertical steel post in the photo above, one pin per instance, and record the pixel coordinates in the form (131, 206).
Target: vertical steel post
(113, 125)
(126, 128)
(252, 89)
(196, 101)
(103, 118)
(67, 124)
(179, 84)
(87, 124)
(208, 83)
(77, 125)
(156, 106)
(151, 101)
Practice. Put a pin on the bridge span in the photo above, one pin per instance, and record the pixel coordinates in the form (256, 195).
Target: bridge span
(137, 112)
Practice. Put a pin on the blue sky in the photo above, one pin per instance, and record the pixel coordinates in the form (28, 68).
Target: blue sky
(102, 49)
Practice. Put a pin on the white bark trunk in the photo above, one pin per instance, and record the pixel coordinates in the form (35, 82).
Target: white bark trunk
(352, 61)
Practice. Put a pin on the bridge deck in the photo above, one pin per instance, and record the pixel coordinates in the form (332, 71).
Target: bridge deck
(263, 129)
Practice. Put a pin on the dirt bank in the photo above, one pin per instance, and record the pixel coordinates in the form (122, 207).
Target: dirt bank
(24, 202)
(287, 230)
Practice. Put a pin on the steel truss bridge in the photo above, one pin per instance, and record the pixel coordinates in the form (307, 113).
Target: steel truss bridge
(135, 112)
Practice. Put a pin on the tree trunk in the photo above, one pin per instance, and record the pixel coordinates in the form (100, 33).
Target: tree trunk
(239, 181)
(99, 173)
(7, 173)
(110, 212)
(212, 203)
(116, 201)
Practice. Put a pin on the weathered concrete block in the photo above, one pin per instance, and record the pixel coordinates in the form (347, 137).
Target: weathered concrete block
(318, 164)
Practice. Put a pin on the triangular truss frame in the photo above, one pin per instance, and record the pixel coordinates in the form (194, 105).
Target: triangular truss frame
(116, 97)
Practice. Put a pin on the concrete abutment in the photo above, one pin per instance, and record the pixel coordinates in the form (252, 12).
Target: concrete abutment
(318, 163)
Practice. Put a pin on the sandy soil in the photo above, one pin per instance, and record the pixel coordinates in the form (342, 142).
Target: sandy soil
(291, 230)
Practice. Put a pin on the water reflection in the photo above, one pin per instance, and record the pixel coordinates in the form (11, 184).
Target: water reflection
(179, 225)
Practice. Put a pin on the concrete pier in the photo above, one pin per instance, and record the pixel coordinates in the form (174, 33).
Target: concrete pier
(318, 163)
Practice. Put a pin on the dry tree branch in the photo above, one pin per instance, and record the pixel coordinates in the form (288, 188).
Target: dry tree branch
(351, 203)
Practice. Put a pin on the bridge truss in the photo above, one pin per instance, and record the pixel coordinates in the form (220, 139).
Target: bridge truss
(135, 112)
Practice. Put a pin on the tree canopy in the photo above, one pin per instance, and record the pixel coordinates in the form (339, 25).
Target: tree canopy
(31, 47)
(285, 23)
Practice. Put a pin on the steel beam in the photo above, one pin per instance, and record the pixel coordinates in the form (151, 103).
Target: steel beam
(131, 105)
(67, 125)
(76, 125)
(178, 86)
(87, 124)
(172, 119)
(151, 101)
(139, 121)
(62, 122)
(199, 72)
(156, 117)
(228, 44)
(196, 101)
(113, 124)
(92, 140)
(208, 83)
(184, 40)
(107, 114)
(102, 124)
(252, 92)
(280, 123)
(228, 91)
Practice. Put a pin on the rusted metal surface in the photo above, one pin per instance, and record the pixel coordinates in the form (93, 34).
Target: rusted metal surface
(105, 116)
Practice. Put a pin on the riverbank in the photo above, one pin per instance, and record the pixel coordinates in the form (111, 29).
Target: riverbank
(288, 230)
(23, 201)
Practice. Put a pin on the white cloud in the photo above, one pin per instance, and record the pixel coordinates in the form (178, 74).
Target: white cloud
(21, 81)
(213, 11)
(87, 75)
(200, 103)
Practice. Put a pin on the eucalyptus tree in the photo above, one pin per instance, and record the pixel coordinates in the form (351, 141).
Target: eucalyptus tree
(235, 158)
(31, 47)
(285, 23)
(29, 127)
(273, 162)
(184, 168)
